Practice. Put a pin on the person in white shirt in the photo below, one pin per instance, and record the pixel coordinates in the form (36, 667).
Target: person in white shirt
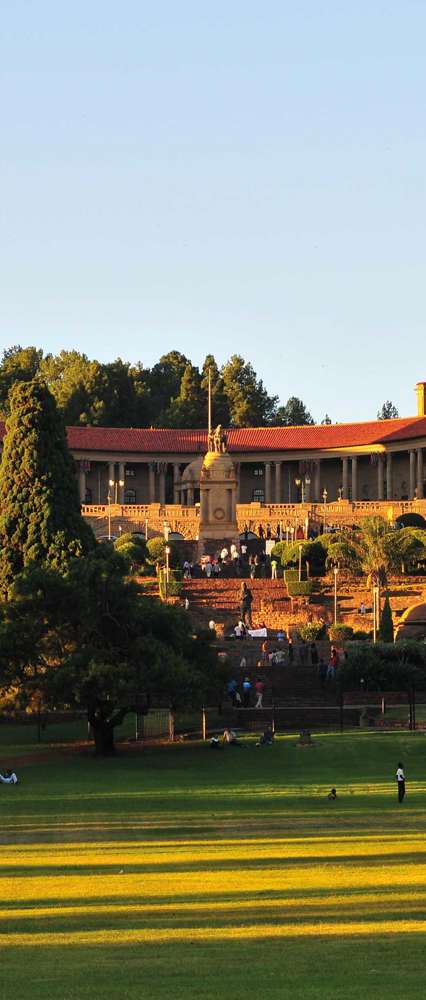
(400, 780)
(8, 778)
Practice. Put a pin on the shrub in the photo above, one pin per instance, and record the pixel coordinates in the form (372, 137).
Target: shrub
(174, 587)
(340, 633)
(313, 631)
(360, 636)
(386, 623)
(302, 589)
(157, 551)
(291, 574)
(133, 547)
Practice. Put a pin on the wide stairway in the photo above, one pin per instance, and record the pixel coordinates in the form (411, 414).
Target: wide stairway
(219, 600)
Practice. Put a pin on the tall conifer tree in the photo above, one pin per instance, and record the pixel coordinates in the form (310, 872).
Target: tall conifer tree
(40, 518)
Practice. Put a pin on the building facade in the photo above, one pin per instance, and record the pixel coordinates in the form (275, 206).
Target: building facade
(369, 461)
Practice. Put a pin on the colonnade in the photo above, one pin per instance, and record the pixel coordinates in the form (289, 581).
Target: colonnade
(273, 478)
(350, 470)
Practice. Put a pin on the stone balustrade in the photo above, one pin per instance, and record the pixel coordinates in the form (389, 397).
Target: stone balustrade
(185, 520)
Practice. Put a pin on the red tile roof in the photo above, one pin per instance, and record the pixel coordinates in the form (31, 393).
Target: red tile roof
(245, 439)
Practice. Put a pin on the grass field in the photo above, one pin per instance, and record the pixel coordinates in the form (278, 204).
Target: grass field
(183, 872)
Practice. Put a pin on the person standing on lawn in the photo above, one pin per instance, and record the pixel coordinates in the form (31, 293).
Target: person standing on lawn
(400, 780)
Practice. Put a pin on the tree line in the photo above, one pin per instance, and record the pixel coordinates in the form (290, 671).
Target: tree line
(173, 393)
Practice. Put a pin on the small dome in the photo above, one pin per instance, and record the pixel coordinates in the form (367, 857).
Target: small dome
(192, 472)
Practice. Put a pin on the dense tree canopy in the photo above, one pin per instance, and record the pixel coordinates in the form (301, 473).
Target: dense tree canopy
(88, 639)
(40, 517)
(173, 393)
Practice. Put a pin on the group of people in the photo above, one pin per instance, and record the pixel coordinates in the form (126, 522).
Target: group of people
(241, 695)
(230, 738)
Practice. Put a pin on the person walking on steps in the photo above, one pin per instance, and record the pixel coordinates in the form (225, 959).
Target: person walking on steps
(400, 780)
(246, 598)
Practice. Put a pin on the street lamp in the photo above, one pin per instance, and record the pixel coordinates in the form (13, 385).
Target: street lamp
(336, 571)
(109, 515)
(300, 563)
(324, 517)
(302, 484)
(287, 532)
(340, 492)
(167, 552)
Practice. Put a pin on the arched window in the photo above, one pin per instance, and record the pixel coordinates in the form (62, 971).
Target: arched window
(130, 496)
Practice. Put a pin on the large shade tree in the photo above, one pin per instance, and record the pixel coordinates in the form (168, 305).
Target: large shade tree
(40, 519)
(90, 640)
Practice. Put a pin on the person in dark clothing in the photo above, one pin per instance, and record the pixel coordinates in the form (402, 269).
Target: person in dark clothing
(314, 654)
(332, 795)
(246, 598)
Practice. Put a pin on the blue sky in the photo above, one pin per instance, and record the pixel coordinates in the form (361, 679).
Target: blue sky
(228, 178)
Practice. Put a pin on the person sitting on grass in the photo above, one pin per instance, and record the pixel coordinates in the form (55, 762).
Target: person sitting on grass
(332, 795)
(8, 778)
(267, 738)
(230, 737)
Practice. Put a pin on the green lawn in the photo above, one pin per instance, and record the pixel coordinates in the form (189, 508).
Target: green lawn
(190, 873)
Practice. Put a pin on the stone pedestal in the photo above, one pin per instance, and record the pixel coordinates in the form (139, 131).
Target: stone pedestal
(218, 496)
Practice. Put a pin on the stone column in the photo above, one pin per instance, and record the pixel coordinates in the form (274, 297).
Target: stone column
(420, 473)
(412, 473)
(190, 495)
(151, 473)
(163, 467)
(122, 480)
(267, 482)
(278, 482)
(82, 482)
(317, 482)
(380, 490)
(345, 463)
(237, 467)
(176, 483)
(389, 489)
(354, 477)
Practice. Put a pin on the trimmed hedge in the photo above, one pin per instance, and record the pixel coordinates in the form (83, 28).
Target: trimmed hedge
(340, 633)
(302, 589)
(291, 574)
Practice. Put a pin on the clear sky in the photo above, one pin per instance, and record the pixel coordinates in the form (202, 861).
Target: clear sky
(227, 177)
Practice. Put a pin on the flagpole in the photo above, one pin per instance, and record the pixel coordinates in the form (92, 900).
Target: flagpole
(210, 403)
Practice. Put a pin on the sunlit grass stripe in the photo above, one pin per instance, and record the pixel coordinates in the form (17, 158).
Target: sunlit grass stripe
(169, 884)
(187, 935)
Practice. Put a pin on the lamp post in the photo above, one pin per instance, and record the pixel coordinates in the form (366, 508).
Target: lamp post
(302, 484)
(300, 563)
(114, 484)
(324, 516)
(376, 612)
(336, 572)
(287, 533)
(167, 552)
(109, 515)
(146, 529)
(340, 492)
